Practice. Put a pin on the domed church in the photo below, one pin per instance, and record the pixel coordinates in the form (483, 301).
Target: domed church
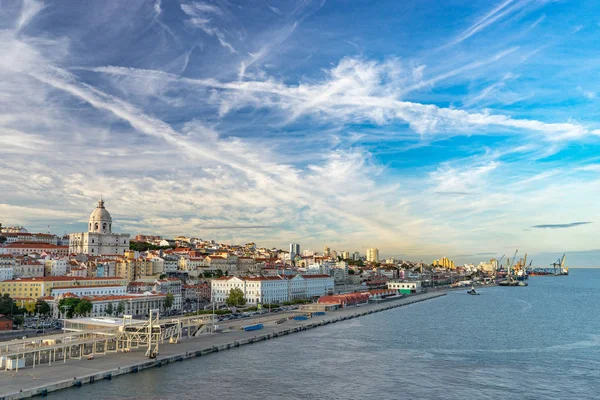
(99, 238)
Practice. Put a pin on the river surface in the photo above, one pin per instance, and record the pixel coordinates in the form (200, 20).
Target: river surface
(537, 342)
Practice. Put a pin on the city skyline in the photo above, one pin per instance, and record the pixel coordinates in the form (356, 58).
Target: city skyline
(304, 123)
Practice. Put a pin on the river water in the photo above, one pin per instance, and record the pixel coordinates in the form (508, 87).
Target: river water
(537, 342)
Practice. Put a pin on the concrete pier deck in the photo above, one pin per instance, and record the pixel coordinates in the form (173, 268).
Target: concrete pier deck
(46, 378)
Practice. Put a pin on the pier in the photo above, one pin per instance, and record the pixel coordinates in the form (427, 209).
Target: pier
(54, 373)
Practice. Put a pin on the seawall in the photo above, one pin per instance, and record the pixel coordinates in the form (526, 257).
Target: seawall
(200, 347)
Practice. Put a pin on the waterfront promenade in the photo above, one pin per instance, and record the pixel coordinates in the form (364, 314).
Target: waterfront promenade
(44, 378)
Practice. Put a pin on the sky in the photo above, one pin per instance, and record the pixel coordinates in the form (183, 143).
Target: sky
(464, 129)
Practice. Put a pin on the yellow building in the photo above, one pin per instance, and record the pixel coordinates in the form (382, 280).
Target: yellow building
(444, 262)
(34, 288)
(373, 255)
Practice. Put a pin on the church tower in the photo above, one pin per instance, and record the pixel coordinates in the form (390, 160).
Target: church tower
(100, 220)
(99, 239)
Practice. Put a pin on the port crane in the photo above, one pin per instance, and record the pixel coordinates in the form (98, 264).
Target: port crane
(559, 265)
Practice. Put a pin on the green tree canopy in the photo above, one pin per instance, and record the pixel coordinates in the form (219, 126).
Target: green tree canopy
(143, 246)
(121, 307)
(68, 305)
(169, 301)
(84, 307)
(8, 306)
(42, 307)
(235, 298)
(109, 309)
(18, 320)
(218, 273)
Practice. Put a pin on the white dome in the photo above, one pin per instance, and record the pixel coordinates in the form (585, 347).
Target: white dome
(100, 220)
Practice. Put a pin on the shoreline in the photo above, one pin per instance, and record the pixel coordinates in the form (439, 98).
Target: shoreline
(187, 348)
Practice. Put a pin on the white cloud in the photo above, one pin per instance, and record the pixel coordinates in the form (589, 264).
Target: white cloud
(29, 10)
(494, 15)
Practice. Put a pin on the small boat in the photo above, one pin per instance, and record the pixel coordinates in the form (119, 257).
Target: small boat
(472, 292)
(253, 327)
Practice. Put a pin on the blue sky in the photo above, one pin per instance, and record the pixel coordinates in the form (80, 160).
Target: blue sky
(424, 128)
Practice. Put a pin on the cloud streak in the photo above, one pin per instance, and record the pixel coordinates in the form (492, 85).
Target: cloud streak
(560, 226)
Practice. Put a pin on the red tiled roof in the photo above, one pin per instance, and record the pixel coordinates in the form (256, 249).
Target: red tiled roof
(21, 245)
(61, 278)
(85, 287)
(315, 276)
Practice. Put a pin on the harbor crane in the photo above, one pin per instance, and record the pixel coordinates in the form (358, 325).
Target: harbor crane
(559, 265)
(514, 257)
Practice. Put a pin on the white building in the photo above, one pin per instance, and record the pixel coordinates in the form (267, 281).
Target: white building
(132, 304)
(405, 287)
(173, 286)
(273, 289)
(7, 267)
(170, 264)
(79, 291)
(318, 285)
(56, 266)
(99, 238)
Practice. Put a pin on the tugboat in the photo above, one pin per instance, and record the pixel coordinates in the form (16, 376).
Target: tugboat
(472, 292)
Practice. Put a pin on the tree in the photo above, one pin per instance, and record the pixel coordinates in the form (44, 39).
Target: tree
(208, 274)
(7, 306)
(84, 307)
(18, 320)
(42, 307)
(162, 276)
(109, 309)
(121, 307)
(68, 306)
(169, 301)
(235, 298)
(218, 273)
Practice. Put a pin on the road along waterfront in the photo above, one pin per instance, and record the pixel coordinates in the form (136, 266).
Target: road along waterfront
(47, 378)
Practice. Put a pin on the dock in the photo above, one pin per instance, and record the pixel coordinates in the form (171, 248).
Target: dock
(46, 377)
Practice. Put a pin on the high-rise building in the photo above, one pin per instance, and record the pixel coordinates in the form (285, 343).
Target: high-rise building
(356, 256)
(373, 255)
(444, 262)
(345, 255)
(294, 250)
(326, 251)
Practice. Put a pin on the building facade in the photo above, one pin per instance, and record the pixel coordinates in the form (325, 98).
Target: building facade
(99, 239)
(405, 287)
(373, 255)
(40, 287)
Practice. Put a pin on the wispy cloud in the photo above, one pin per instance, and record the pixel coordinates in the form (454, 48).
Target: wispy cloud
(202, 15)
(560, 226)
(494, 15)
(416, 152)
(242, 227)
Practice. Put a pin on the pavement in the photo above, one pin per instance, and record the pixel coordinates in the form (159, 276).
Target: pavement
(46, 375)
